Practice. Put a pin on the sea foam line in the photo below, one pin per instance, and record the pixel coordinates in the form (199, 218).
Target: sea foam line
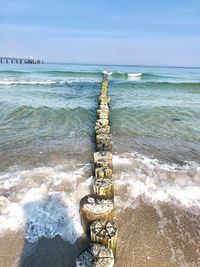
(47, 82)
(156, 182)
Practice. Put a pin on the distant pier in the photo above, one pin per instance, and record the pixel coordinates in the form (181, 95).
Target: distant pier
(20, 60)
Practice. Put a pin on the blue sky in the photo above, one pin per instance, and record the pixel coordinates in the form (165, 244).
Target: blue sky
(144, 32)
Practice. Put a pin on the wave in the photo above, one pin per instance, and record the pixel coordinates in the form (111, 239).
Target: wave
(156, 75)
(151, 77)
(143, 75)
(13, 72)
(54, 72)
(159, 84)
(45, 210)
(24, 82)
(45, 82)
(179, 83)
(142, 177)
(72, 73)
(46, 123)
(64, 73)
(62, 82)
(28, 112)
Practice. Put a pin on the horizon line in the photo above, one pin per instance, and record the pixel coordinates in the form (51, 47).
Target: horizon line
(125, 65)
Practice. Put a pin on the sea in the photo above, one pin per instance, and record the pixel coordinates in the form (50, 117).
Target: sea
(47, 119)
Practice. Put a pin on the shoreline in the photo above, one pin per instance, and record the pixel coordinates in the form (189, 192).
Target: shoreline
(165, 151)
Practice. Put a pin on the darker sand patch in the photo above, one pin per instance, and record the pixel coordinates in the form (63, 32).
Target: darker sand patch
(54, 252)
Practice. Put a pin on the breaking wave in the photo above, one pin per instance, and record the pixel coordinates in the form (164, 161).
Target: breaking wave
(40, 206)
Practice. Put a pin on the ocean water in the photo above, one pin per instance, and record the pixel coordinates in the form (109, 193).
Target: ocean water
(47, 119)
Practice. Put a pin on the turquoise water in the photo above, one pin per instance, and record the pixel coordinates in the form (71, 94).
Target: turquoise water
(56, 104)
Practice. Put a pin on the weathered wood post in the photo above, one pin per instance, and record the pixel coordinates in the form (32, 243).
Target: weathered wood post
(103, 172)
(96, 256)
(104, 187)
(105, 233)
(103, 159)
(94, 207)
(104, 142)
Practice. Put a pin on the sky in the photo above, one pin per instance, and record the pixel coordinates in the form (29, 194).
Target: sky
(143, 32)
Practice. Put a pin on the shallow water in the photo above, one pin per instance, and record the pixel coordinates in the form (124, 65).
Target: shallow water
(48, 113)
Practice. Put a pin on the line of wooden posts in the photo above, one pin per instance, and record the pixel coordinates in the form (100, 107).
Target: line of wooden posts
(97, 209)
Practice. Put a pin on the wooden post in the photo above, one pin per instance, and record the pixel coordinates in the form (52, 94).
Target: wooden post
(102, 123)
(96, 256)
(104, 187)
(94, 207)
(104, 142)
(104, 90)
(103, 172)
(104, 100)
(102, 130)
(102, 155)
(103, 114)
(104, 107)
(105, 233)
(104, 164)
(103, 159)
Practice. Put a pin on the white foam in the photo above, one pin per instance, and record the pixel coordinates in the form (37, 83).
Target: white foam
(57, 214)
(40, 205)
(154, 182)
(117, 160)
(134, 76)
(27, 82)
(47, 81)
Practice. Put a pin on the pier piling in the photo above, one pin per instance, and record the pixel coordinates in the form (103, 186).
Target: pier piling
(20, 60)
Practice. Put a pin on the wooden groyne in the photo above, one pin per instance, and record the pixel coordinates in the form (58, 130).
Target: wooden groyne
(97, 209)
(20, 60)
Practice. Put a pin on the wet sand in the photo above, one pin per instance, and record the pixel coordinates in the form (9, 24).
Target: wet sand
(146, 239)
(55, 252)
(150, 236)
